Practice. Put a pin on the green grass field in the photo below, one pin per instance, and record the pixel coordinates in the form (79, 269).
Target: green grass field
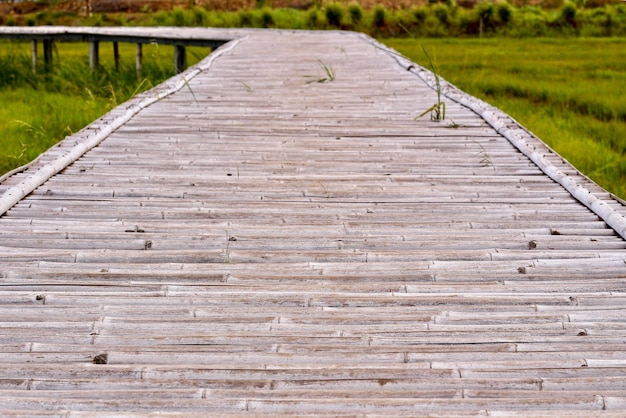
(569, 92)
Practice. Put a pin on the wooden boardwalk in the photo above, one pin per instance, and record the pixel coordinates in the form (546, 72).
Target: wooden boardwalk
(251, 238)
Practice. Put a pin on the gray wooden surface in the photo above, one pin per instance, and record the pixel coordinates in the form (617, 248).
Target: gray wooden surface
(261, 242)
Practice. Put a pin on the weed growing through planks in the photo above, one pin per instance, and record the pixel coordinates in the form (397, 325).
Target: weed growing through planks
(229, 239)
(438, 110)
(190, 90)
(227, 249)
(329, 73)
(245, 86)
(484, 157)
(326, 192)
(329, 70)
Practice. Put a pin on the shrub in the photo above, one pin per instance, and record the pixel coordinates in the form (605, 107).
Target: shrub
(199, 16)
(289, 18)
(314, 19)
(433, 27)
(530, 21)
(467, 23)
(598, 22)
(226, 19)
(440, 11)
(504, 13)
(267, 20)
(334, 14)
(178, 17)
(380, 16)
(405, 20)
(568, 15)
(356, 13)
(245, 18)
(420, 14)
(486, 17)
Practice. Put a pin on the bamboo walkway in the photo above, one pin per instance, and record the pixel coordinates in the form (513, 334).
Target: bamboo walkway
(254, 237)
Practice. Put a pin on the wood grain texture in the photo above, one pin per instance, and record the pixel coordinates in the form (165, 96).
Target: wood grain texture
(264, 241)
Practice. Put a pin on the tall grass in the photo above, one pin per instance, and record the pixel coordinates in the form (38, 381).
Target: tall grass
(569, 92)
(36, 111)
(34, 122)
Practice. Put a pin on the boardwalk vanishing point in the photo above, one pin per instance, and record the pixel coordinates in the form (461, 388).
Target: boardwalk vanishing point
(271, 232)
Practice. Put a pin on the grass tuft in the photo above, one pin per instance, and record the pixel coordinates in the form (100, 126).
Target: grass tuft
(438, 110)
(329, 74)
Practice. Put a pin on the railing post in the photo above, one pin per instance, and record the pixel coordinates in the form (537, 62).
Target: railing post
(180, 59)
(33, 53)
(116, 55)
(48, 44)
(94, 55)
(139, 59)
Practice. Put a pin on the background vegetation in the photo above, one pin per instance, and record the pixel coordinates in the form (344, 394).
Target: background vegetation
(431, 18)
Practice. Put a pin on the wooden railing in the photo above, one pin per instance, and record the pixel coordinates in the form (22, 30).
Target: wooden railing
(49, 35)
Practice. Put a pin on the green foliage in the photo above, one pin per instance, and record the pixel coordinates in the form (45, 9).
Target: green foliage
(485, 13)
(356, 13)
(379, 16)
(334, 14)
(568, 15)
(504, 13)
(440, 11)
(179, 17)
(288, 18)
(530, 21)
(267, 19)
(245, 19)
(420, 13)
(436, 18)
(200, 16)
(315, 19)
